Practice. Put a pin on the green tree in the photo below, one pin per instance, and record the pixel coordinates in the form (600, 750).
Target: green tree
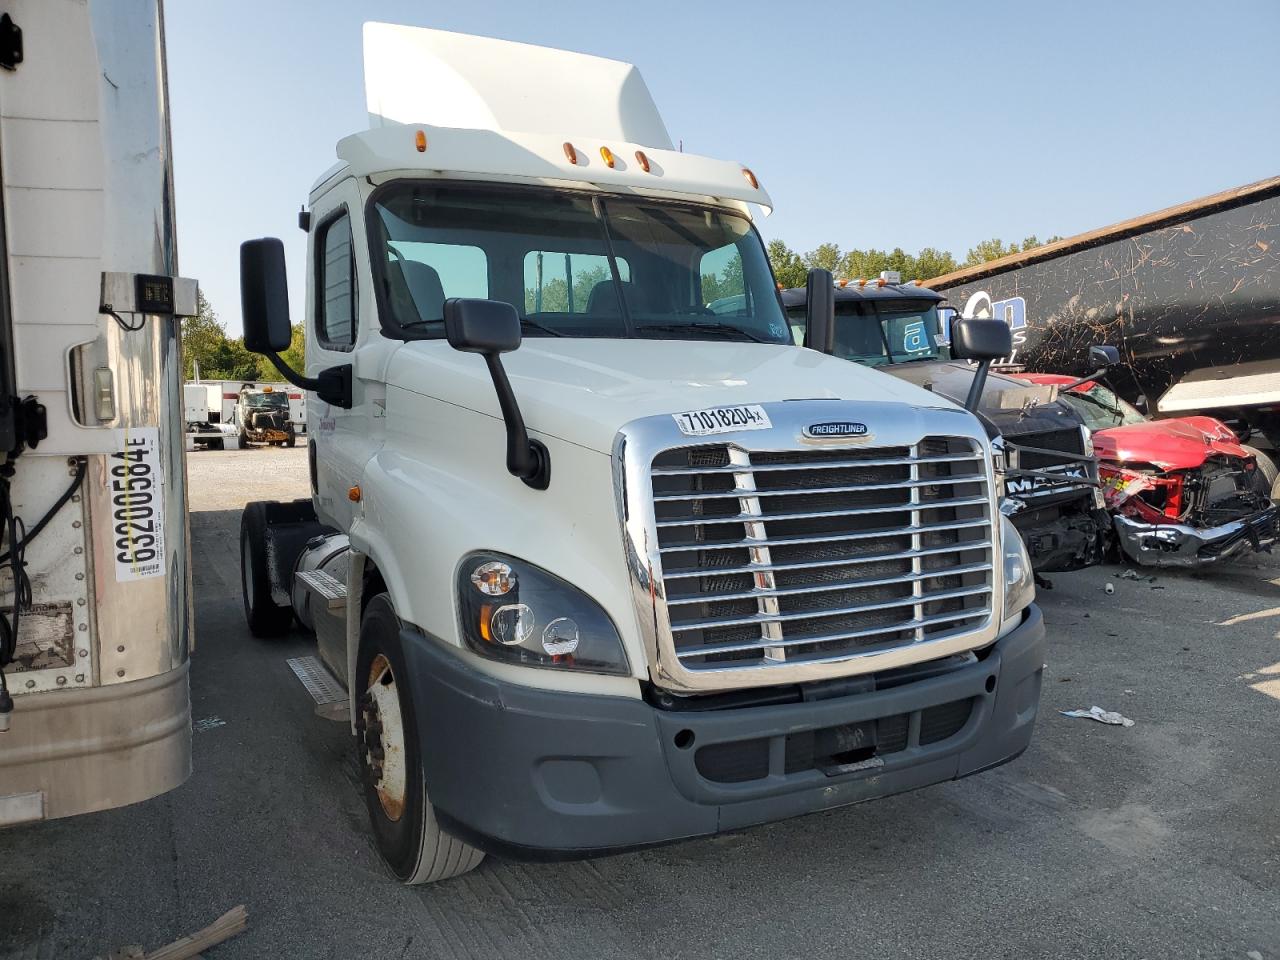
(931, 262)
(788, 269)
(203, 339)
(296, 354)
(988, 250)
(825, 256)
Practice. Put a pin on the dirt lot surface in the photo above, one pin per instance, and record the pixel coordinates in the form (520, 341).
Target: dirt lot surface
(1160, 840)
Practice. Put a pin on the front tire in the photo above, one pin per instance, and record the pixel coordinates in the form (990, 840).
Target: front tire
(404, 826)
(266, 619)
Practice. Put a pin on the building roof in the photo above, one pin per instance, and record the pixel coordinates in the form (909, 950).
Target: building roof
(1239, 196)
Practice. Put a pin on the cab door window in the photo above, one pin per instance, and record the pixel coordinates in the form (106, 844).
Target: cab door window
(336, 285)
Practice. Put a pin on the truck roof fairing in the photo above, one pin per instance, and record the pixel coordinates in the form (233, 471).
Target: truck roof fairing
(443, 104)
(417, 75)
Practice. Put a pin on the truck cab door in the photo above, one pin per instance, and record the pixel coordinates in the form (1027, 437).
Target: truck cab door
(340, 325)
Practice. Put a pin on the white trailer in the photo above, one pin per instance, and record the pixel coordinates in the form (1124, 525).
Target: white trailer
(610, 569)
(95, 598)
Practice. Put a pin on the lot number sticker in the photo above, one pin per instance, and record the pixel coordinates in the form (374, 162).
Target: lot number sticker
(135, 483)
(702, 423)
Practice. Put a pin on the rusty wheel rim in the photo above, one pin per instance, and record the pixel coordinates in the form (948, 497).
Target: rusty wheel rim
(383, 748)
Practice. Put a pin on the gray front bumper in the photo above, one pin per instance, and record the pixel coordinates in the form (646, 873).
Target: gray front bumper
(539, 773)
(1177, 545)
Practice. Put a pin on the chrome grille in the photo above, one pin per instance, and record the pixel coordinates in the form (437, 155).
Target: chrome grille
(771, 558)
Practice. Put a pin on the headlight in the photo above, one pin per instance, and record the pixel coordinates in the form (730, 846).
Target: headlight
(518, 613)
(1019, 581)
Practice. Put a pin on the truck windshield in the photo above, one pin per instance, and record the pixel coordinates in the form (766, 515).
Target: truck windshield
(261, 401)
(1100, 408)
(573, 265)
(874, 333)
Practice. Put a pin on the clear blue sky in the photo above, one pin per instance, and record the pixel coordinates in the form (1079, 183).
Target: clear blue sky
(874, 123)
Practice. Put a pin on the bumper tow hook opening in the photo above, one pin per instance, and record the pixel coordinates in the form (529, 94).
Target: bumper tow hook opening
(684, 739)
(991, 684)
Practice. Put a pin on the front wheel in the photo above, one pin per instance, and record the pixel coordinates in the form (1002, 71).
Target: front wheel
(404, 825)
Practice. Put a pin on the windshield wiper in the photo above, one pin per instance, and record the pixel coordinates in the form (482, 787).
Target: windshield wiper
(703, 327)
(526, 322)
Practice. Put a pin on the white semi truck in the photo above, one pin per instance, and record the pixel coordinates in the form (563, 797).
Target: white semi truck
(602, 567)
(95, 598)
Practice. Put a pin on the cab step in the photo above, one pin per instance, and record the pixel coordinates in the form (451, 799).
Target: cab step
(319, 582)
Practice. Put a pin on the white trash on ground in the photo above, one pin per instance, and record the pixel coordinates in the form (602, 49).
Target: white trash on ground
(1102, 716)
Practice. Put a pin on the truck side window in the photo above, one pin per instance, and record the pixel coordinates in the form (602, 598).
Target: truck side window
(336, 282)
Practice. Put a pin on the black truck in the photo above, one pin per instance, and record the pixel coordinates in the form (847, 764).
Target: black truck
(1190, 295)
(1050, 477)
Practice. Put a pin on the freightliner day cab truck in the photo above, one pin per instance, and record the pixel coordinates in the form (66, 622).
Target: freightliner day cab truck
(599, 567)
(94, 708)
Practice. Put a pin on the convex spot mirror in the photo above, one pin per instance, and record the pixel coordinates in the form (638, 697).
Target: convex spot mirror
(980, 339)
(481, 326)
(264, 296)
(1103, 356)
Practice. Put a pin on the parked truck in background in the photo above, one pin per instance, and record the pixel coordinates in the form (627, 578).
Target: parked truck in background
(1190, 295)
(95, 600)
(1047, 472)
(600, 567)
(264, 416)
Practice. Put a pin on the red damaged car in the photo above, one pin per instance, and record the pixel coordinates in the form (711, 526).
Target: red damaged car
(1184, 491)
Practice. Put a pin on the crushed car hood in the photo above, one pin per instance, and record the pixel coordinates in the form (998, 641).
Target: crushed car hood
(1178, 444)
(582, 390)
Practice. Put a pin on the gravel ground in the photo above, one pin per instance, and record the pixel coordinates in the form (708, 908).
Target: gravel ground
(1157, 841)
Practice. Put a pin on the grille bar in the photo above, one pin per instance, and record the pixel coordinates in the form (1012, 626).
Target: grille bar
(828, 587)
(834, 612)
(886, 534)
(831, 637)
(803, 491)
(826, 514)
(871, 550)
(817, 465)
(814, 564)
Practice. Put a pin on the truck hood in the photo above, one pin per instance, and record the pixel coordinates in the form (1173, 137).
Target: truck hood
(1178, 444)
(584, 390)
(1009, 406)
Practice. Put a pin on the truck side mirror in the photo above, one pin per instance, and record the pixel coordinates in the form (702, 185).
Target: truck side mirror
(981, 340)
(492, 328)
(820, 311)
(481, 326)
(264, 309)
(264, 296)
(1103, 356)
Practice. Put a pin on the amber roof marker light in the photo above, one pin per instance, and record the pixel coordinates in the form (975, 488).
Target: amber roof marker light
(642, 160)
(420, 141)
(570, 154)
(751, 178)
(607, 156)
